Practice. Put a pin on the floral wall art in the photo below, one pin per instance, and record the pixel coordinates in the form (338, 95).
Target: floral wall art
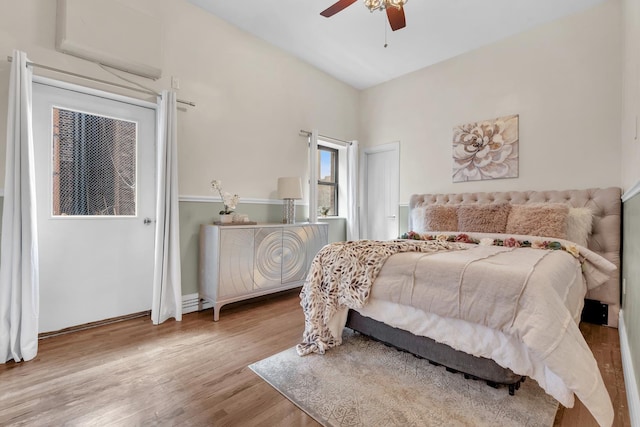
(486, 149)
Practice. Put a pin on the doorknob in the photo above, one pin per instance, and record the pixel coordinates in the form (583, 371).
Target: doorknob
(147, 221)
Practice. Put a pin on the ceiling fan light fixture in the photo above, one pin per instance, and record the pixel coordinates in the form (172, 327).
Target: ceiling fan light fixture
(398, 4)
(373, 4)
(393, 8)
(383, 4)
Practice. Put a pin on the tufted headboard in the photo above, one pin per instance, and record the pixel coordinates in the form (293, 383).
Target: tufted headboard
(605, 239)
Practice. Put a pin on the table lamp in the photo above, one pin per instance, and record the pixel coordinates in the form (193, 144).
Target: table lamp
(289, 189)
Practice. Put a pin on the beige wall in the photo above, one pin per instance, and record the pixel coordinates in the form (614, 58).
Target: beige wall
(252, 98)
(563, 79)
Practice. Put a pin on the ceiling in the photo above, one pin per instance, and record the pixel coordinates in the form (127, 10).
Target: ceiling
(350, 45)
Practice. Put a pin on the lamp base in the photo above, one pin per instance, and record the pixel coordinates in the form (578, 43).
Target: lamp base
(289, 211)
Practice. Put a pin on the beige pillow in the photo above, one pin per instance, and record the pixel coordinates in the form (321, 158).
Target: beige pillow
(539, 219)
(579, 225)
(441, 218)
(417, 219)
(490, 218)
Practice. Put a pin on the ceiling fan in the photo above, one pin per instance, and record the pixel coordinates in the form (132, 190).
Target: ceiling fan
(394, 8)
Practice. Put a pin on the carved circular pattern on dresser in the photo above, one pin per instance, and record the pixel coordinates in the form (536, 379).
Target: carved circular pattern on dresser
(294, 256)
(280, 257)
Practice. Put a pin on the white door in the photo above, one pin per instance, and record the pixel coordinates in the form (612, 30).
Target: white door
(95, 192)
(381, 186)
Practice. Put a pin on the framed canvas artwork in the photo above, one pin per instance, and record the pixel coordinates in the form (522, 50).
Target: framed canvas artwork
(486, 150)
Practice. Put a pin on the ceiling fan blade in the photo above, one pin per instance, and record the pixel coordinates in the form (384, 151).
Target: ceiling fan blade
(336, 7)
(396, 18)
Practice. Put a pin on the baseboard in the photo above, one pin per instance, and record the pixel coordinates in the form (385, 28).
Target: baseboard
(633, 398)
(95, 324)
(191, 303)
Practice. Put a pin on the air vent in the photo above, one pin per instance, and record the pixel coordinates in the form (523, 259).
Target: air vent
(110, 33)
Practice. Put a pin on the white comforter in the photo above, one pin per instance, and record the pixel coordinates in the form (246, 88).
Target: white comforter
(517, 306)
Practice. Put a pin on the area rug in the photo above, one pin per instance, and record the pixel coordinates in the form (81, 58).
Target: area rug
(365, 383)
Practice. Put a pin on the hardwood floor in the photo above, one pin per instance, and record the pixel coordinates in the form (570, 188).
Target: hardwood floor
(195, 373)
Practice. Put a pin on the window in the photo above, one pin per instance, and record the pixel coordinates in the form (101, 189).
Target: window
(327, 181)
(94, 164)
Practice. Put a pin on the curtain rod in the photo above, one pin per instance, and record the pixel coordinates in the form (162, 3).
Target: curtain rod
(326, 138)
(57, 70)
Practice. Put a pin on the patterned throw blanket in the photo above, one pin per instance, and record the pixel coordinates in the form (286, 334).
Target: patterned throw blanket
(341, 275)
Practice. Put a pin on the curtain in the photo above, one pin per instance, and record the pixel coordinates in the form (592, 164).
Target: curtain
(167, 288)
(313, 176)
(353, 222)
(19, 291)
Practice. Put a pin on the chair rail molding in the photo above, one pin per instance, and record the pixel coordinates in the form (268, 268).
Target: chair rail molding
(635, 189)
(217, 199)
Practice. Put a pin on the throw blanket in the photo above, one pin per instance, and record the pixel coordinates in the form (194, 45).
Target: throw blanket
(340, 276)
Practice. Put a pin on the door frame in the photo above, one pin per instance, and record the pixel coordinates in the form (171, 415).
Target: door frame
(133, 102)
(393, 147)
(95, 92)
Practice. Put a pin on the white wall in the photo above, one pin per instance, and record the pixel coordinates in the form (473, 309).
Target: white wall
(252, 98)
(563, 79)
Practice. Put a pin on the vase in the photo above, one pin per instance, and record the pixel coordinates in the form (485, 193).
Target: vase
(226, 218)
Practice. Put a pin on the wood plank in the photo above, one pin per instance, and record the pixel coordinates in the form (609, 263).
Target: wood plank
(195, 372)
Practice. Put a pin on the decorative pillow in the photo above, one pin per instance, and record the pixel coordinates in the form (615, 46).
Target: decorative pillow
(579, 225)
(539, 219)
(490, 218)
(417, 219)
(441, 218)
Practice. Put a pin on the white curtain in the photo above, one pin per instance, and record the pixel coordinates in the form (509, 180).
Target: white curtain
(313, 176)
(353, 221)
(167, 288)
(19, 291)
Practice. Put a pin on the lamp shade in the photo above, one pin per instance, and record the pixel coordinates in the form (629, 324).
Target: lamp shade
(290, 187)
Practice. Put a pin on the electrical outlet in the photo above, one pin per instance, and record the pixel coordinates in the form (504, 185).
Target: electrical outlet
(175, 82)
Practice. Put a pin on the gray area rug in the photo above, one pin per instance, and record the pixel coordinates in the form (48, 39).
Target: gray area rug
(364, 383)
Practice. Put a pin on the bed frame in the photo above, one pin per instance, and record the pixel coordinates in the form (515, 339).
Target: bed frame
(604, 240)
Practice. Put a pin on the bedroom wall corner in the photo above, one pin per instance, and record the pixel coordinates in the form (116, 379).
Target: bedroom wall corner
(630, 143)
(564, 80)
(630, 313)
(630, 92)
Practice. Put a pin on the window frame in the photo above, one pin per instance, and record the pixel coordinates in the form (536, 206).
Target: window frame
(336, 178)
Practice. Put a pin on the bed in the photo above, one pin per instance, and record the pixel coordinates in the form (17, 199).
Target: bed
(427, 294)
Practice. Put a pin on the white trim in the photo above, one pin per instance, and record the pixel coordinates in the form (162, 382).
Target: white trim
(631, 192)
(191, 303)
(633, 399)
(217, 199)
(313, 176)
(95, 92)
